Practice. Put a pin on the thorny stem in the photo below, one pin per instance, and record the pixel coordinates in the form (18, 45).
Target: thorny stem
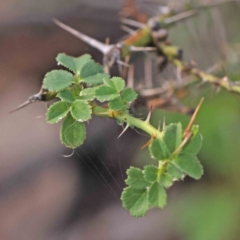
(130, 120)
(192, 70)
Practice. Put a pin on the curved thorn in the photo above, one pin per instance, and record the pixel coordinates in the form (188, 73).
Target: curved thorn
(124, 130)
(67, 156)
(104, 48)
(147, 143)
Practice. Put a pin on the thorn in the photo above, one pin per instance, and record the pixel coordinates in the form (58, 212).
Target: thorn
(188, 128)
(67, 156)
(128, 30)
(34, 98)
(142, 49)
(149, 115)
(133, 23)
(180, 17)
(164, 123)
(185, 140)
(21, 106)
(124, 130)
(147, 143)
(104, 48)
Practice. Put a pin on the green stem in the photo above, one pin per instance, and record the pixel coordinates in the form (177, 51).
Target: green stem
(130, 120)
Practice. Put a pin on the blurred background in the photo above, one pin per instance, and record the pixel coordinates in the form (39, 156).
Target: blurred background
(44, 195)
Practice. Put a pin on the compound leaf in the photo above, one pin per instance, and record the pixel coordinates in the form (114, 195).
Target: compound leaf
(57, 80)
(57, 112)
(128, 95)
(189, 164)
(136, 201)
(150, 173)
(159, 150)
(173, 136)
(135, 179)
(81, 110)
(72, 63)
(72, 133)
(157, 195)
(105, 93)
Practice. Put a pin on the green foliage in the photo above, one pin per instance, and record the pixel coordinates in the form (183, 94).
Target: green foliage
(72, 133)
(76, 93)
(67, 96)
(73, 64)
(128, 95)
(81, 110)
(174, 162)
(80, 92)
(57, 112)
(57, 80)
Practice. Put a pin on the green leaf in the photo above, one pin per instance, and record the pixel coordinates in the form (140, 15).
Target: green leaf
(174, 171)
(194, 145)
(128, 95)
(95, 79)
(72, 63)
(105, 93)
(157, 195)
(136, 201)
(88, 91)
(116, 83)
(66, 95)
(135, 179)
(87, 94)
(57, 80)
(166, 180)
(90, 68)
(72, 133)
(159, 150)
(173, 136)
(116, 104)
(81, 111)
(150, 173)
(189, 164)
(57, 112)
